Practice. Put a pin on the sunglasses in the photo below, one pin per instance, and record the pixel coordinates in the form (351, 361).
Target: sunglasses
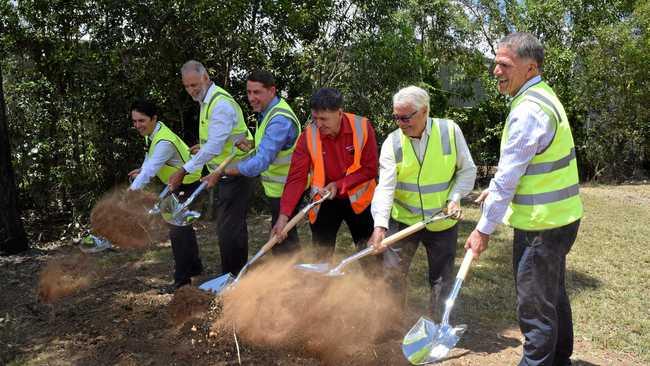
(405, 118)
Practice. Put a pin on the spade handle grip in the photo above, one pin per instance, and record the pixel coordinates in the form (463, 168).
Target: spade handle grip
(464, 267)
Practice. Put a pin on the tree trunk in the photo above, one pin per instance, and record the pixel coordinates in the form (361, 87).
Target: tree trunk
(12, 233)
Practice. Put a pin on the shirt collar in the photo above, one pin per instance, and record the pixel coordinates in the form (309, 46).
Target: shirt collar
(274, 101)
(528, 84)
(149, 138)
(208, 94)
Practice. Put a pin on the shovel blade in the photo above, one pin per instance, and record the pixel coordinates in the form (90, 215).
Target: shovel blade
(428, 342)
(313, 267)
(219, 284)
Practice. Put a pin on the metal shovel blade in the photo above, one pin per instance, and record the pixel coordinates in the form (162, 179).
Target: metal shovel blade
(174, 213)
(313, 267)
(217, 285)
(428, 342)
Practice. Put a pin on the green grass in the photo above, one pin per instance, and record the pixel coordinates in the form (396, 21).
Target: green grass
(608, 273)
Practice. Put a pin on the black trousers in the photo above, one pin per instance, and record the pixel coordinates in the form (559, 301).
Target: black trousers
(232, 201)
(441, 251)
(292, 243)
(543, 308)
(330, 216)
(185, 249)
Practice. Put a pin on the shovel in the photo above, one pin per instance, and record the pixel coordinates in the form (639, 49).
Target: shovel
(156, 207)
(177, 213)
(325, 269)
(428, 342)
(219, 284)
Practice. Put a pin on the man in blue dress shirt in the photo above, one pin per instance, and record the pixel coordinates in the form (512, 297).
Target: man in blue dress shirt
(276, 133)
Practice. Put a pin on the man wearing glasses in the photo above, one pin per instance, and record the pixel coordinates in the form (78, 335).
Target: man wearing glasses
(425, 166)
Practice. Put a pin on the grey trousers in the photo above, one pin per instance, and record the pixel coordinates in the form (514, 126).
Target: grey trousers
(441, 251)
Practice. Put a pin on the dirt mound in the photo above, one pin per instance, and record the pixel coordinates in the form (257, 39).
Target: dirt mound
(277, 306)
(65, 276)
(121, 216)
(188, 302)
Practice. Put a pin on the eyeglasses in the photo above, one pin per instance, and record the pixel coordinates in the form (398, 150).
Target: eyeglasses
(405, 118)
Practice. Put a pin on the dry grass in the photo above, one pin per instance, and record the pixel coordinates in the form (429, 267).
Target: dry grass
(608, 274)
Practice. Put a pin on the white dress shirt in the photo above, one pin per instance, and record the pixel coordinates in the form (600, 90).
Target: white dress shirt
(382, 201)
(164, 153)
(221, 122)
(530, 131)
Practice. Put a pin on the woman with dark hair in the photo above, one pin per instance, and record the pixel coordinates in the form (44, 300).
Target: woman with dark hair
(165, 155)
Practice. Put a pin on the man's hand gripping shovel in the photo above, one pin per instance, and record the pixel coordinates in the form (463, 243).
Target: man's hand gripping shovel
(224, 282)
(177, 213)
(326, 270)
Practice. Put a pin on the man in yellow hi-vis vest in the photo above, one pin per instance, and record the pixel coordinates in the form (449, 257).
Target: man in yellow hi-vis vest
(275, 139)
(424, 166)
(535, 190)
(221, 128)
(166, 154)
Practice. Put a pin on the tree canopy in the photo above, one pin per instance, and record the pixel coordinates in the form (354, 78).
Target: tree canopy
(71, 69)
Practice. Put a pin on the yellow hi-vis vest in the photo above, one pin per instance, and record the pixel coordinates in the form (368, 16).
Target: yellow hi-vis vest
(166, 171)
(239, 131)
(547, 194)
(275, 176)
(422, 190)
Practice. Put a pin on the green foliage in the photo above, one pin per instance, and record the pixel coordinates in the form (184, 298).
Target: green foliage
(73, 67)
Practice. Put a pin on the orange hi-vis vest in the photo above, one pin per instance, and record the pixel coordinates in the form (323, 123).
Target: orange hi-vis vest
(361, 195)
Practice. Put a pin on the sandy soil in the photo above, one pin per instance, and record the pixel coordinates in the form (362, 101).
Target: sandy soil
(120, 318)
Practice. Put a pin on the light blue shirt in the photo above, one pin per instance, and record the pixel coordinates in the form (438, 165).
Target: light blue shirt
(279, 135)
(221, 122)
(530, 131)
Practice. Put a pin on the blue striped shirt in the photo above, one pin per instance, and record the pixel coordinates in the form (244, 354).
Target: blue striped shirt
(530, 131)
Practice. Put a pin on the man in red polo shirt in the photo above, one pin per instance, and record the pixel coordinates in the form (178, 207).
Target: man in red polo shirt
(339, 151)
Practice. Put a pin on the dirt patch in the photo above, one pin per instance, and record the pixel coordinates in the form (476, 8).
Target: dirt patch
(277, 306)
(65, 276)
(188, 302)
(122, 217)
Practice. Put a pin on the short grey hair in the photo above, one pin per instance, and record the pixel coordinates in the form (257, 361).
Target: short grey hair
(194, 66)
(413, 95)
(525, 45)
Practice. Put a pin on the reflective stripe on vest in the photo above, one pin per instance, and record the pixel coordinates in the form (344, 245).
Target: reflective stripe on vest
(547, 195)
(361, 195)
(422, 188)
(239, 131)
(166, 171)
(275, 176)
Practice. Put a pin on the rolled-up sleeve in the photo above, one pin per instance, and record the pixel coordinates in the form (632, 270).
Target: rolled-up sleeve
(279, 132)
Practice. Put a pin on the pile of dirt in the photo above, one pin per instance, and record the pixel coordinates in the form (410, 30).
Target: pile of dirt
(122, 217)
(188, 302)
(277, 306)
(65, 276)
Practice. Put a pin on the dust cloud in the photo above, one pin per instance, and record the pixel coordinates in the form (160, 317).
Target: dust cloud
(122, 217)
(275, 305)
(64, 277)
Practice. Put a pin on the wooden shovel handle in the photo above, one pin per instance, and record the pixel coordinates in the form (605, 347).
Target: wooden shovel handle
(276, 239)
(408, 231)
(223, 164)
(464, 267)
